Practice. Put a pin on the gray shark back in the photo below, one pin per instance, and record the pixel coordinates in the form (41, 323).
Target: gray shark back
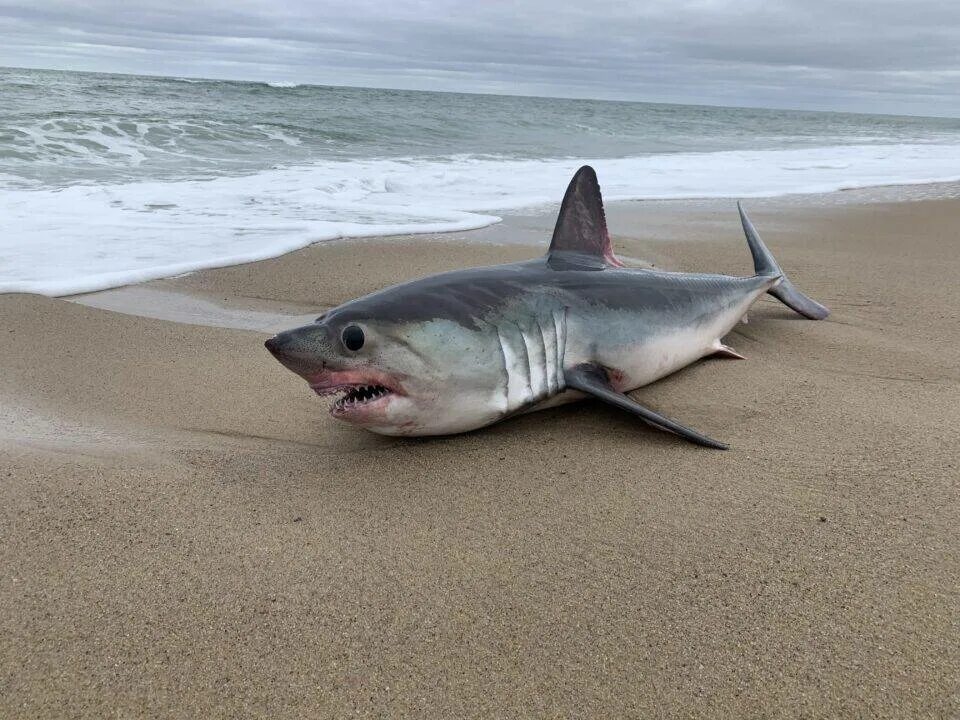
(473, 296)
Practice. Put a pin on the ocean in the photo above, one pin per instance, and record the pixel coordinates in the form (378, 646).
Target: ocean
(109, 179)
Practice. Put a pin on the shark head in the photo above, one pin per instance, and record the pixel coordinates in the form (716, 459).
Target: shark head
(395, 374)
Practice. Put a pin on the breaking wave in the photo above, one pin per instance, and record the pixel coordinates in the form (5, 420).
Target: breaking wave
(93, 236)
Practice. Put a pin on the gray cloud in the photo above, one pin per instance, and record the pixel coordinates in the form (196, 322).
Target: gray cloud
(880, 56)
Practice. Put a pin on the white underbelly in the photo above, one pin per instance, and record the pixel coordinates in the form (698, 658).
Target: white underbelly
(658, 357)
(634, 366)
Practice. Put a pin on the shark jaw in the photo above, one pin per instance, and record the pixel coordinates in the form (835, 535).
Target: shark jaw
(361, 396)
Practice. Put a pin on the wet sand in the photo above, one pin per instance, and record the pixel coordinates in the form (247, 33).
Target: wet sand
(186, 533)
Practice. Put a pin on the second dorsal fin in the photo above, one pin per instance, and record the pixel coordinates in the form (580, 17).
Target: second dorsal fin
(580, 236)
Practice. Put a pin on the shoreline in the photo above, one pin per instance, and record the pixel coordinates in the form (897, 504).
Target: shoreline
(470, 224)
(180, 299)
(186, 531)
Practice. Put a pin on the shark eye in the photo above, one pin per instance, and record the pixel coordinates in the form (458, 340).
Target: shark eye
(352, 337)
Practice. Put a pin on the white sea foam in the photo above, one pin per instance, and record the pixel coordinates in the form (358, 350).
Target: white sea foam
(88, 237)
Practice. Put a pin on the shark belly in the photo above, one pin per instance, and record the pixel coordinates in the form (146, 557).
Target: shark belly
(654, 353)
(649, 359)
(658, 356)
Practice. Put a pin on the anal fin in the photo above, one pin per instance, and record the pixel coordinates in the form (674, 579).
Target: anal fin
(592, 379)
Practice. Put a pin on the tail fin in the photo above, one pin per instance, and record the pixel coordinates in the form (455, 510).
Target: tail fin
(765, 264)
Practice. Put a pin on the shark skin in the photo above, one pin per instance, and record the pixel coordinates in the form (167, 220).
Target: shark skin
(461, 350)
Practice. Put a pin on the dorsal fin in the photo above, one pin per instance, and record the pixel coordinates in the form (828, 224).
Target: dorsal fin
(580, 236)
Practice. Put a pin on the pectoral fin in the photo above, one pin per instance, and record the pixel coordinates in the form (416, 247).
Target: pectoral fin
(592, 380)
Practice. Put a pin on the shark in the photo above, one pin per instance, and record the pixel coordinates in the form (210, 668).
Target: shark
(458, 351)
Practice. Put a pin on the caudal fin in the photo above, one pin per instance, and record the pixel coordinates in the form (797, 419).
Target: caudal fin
(765, 264)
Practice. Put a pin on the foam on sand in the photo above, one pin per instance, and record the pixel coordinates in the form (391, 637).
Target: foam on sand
(88, 237)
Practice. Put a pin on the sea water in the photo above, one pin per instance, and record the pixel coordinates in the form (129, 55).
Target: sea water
(111, 179)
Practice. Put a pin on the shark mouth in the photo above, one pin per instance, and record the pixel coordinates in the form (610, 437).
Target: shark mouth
(355, 396)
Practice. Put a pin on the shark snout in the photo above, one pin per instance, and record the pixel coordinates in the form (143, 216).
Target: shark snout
(273, 345)
(298, 350)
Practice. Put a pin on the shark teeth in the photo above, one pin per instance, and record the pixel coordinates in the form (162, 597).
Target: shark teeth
(359, 395)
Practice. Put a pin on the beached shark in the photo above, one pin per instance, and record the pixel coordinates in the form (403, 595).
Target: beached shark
(460, 350)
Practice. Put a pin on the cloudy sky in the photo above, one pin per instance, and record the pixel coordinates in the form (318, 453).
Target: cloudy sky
(898, 56)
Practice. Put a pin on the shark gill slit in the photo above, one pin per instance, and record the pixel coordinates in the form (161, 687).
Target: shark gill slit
(525, 344)
(514, 390)
(536, 353)
(560, 327)
(533, 362)
(506, 372)
(549, 355)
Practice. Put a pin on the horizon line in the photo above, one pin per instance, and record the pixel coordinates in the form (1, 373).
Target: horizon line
(294, 84)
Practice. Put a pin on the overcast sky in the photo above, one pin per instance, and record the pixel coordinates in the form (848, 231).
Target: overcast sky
(897, 56)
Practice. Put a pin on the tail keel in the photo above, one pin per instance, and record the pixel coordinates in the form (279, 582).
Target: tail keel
(765, 264)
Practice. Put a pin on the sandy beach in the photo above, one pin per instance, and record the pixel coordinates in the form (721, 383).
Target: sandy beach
(185, 532)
